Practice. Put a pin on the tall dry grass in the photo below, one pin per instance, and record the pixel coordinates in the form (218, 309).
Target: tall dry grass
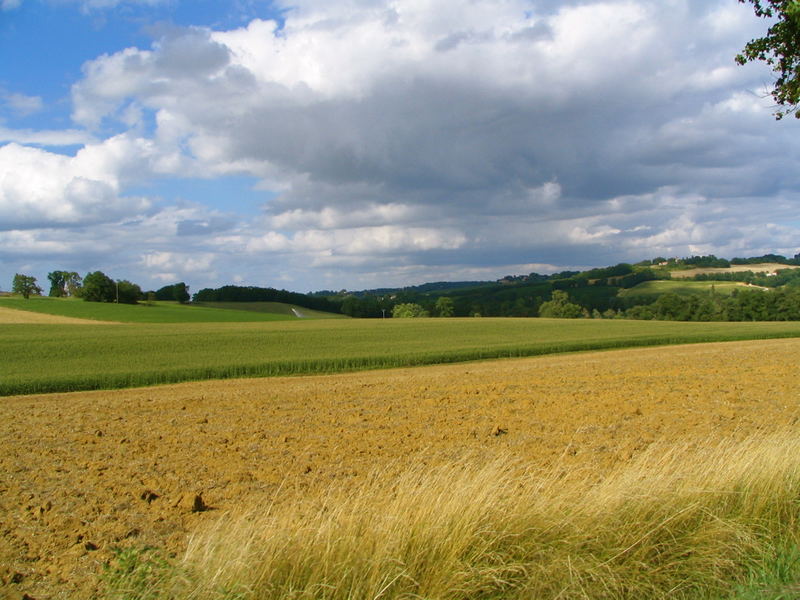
(676, 523)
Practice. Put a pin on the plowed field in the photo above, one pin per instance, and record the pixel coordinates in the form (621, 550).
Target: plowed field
(83, 473)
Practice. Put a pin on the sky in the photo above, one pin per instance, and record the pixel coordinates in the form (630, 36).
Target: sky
(309, 144)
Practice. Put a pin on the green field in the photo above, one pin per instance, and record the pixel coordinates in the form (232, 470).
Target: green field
(50, 358)
(158, 312)
(276, 308)
(655, 288)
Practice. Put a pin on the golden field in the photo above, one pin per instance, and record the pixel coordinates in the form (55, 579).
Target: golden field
(83, 473)
(12, 316)
(755, 268)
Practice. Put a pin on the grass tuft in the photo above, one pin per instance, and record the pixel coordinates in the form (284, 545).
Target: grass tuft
(677, 523)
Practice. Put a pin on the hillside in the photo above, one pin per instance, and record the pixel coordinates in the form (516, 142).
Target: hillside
(614, 291)
(755, 268)
(707, 287)
(274, 308)
(654, 289)
(160, 312)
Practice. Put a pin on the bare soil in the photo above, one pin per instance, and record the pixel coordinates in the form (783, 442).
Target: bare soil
(83, 473)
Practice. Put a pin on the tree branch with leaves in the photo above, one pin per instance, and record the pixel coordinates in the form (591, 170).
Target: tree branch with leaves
(780, 49)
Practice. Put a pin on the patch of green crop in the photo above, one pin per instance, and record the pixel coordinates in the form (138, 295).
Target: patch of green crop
(278, 308)
(157, 312)
(39, 358)
(654, 289)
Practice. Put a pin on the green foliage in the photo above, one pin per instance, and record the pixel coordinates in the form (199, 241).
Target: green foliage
(782, 304)
(127, 292)
(64, 283)
(175, 291)
(774, 575)
(269, 308)
(50, 358)
(559, 307)
(136, 574)
(25, 286)
(780, 49)
(445, 307)
(58, 286)
(409, 310)
(98, 287)
(366, 306)
(235, 293)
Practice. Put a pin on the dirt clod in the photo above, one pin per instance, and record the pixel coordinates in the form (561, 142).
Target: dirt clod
(148, 496)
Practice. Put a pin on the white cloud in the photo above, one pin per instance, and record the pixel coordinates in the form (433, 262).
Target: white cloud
(476, 134)
(170, 265)
(59, 137)
(40, 188)
(22, 104)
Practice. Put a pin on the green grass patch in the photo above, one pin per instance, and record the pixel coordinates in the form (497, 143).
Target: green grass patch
(39, 358)
(654, 289)
(157, 312)
(277, 308)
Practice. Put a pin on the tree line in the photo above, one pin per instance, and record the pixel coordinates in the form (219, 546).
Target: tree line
(569, 294)
(234, 293)
(782, 304)
(96, 286)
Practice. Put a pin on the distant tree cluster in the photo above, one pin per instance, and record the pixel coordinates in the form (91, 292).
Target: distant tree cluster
(782, 304)
(559, 307)
(409, 310)
(64, 283)
(96, 286)
(233, 293)
(176, 291)
(99, 287)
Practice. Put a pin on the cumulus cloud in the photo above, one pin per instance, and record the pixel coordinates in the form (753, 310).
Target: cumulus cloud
(469, 133)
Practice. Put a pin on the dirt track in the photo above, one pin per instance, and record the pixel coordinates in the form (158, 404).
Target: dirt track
(82, 473)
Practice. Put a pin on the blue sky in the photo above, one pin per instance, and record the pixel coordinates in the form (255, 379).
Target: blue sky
(370, 143)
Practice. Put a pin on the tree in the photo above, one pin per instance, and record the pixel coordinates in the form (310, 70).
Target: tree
(98, 287)
(780, 49)
(58, 286)
(180, 292)
(408, 310)
(25, 285)
(445, 307)
(64, 283)
(128, 293)
(559, 307)
(174, 291)
(74, 283)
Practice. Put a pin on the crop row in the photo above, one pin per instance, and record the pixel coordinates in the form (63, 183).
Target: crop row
(55, 358)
